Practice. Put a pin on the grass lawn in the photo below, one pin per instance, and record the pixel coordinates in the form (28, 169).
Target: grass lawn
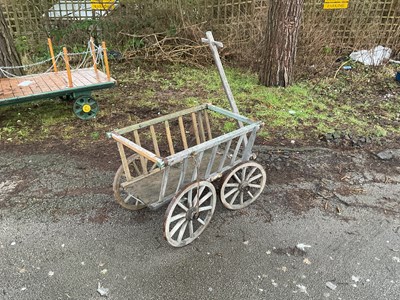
(362, 102)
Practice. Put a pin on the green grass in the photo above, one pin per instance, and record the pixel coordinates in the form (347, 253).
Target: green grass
(353, 103)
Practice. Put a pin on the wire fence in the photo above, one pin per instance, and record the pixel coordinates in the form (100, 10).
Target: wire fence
(365, 22)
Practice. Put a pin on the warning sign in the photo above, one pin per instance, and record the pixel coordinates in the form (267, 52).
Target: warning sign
(336, 4)
(102, 4)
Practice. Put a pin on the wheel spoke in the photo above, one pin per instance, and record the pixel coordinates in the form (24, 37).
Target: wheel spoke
(201, 221)
(251, 173)
(205, 197)
(136, 168)
(191, 228)
(205, 208)
(182, 206)
(182, 231)
(234, 197)
(241, 198)
(237, 178)
(244, 174)
(256, 177)
(232, 185)
(250, 194)
(177, 217)
(127, 198)
(190, 198)
(176, 227)
(257, 186)
(231, 192)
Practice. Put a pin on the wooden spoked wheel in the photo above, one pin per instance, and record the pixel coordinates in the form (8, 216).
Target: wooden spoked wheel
(242, 185)
(122, 195)
(189, 213)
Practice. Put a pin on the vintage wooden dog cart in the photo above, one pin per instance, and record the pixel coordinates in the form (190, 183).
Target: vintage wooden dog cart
(194, 163)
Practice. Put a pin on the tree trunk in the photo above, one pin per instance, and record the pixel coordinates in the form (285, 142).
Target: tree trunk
(8, 54)
(280, 42)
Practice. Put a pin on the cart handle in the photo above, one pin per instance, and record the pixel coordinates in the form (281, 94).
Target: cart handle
(138, 149)
(214, 45)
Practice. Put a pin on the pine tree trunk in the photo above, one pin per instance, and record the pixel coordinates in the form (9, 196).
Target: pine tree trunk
(280, 42)
(8, 54)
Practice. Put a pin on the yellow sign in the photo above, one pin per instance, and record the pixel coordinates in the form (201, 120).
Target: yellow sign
(336, 4)
(336, 1)
(102, 4)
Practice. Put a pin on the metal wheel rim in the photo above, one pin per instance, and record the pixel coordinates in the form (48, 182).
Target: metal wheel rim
(121, 196)
(79, 105)
(179, 229)
(243, 185)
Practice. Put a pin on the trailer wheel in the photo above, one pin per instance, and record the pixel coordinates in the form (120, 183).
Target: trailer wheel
(85, 107)
(242, 185)
(183, 222)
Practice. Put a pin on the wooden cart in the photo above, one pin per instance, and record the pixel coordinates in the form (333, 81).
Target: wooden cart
(194, 161)
(74, 85)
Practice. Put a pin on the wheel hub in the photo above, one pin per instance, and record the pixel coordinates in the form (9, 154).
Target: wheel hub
(191, 214)
(86, 108)
(244, 186)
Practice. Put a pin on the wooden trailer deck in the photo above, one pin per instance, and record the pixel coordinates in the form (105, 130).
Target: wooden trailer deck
(49, 85)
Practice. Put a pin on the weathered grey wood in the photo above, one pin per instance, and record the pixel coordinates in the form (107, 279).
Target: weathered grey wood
(198, 158)
(211, 161)
(201, 127)
(230, 114)
(178, 157)
(160, 119)
(195, 128)
(164, 183)
(208, 125)
(223, 159)
(235, 153)
(184, 166)
(248, 149)
(214, 45)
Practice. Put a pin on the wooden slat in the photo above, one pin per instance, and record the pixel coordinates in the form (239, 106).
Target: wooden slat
(41, 83)
(183, 132)
(206, 117)
(182, 174)
(201, 127)
(195, 128)
(169, 138)
(6, 89)
(155, 142)
(143, 161)
(222, 161)
(124, 161)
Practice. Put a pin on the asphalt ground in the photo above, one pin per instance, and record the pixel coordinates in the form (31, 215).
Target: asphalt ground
(62, 235)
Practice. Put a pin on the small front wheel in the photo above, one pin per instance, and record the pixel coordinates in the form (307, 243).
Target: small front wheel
(85, 107)
(189, 213)
(242, 185)
(122, 195)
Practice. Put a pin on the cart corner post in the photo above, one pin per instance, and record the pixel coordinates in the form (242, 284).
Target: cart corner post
(68, 67)
(52, 54)
(105, 55)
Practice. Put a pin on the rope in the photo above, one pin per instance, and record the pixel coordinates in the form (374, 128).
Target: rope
(99, 61)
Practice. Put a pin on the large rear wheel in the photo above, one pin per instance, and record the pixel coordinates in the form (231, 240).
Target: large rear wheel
(242, 185)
